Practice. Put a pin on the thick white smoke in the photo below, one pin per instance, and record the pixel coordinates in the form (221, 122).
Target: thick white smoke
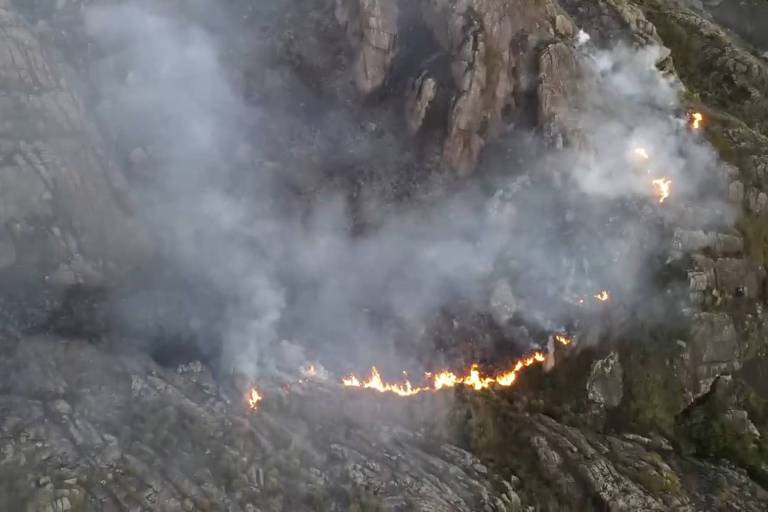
(566, 225)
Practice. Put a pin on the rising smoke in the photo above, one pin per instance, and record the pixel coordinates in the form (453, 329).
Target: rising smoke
(558, 227)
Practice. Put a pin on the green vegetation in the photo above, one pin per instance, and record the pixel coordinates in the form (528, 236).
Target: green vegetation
(705, 430)
(660, 481)
(686, 49)
(318, 499)
(717, 124)
(365, 504)
(653, 388)
(695, 52)
(755, 232)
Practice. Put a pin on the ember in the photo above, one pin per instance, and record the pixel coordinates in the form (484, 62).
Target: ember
(662, 187)
(696, 119)
(603, 296)
(641, 153)
(309, 370)
(254, 398)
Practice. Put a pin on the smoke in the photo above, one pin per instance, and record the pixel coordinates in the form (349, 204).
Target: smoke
(558, 227)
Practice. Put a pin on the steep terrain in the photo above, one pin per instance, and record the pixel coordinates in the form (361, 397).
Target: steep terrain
(150, 275)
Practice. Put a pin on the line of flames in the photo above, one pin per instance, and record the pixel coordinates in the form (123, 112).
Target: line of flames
(446, 379)
(473, 379)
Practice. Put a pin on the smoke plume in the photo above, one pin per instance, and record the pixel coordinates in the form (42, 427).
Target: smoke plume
(556, 227)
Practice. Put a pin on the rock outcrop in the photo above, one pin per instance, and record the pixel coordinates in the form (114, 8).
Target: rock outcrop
(65, 215)
(605, 384)
(81, 430)
(558, 79)
(85, 427)
(493, 51)
(715, 349)
(371, 26)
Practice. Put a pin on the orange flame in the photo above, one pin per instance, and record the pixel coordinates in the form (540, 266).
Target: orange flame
(563, 339)
(445, 379)
(309, 370)
(663, 188)
(696, 119)
(376, 382)
(254, 398)
(641, 153)
(603, 296)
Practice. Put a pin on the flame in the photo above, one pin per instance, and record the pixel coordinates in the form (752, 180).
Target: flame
(254, 397)
(662, 187)
(309, 370)
(696, 119)
(376, 382)
(474, 379)
(563, 339)
(603, 296)
(641, 153)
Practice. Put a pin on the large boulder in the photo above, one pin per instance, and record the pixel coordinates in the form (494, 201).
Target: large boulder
(605, 385)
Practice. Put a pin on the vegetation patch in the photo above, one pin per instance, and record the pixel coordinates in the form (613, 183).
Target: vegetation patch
(755, 232)
(708, 429)
(653, 387)
(693, 48)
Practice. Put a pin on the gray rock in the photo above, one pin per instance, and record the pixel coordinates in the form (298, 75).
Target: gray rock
(558, 73)
(418, 100)
(64, 174)
(502, 302)
(686, 241)
(605, 385)
(739, 419)
(371, 26)
(714, 349)
(737, 277)
(757, 200)
(736, 192)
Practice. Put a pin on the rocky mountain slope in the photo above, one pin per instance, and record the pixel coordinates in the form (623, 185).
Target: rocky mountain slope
(660, 404)
(66, 215)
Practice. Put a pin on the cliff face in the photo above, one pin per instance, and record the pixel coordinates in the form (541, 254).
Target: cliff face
(387, 103)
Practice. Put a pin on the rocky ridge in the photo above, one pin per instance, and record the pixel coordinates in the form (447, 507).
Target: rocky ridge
(84, 428)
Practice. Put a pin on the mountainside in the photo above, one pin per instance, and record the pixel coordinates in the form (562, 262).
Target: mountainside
(218, 216)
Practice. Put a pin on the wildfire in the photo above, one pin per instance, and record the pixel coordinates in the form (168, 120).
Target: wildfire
(603, 296)
(474, 379)
(697, 119)
(376, 382)
(641, 153)
(662, 187)
(254, 398)
(563, 339)
(309, 370)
